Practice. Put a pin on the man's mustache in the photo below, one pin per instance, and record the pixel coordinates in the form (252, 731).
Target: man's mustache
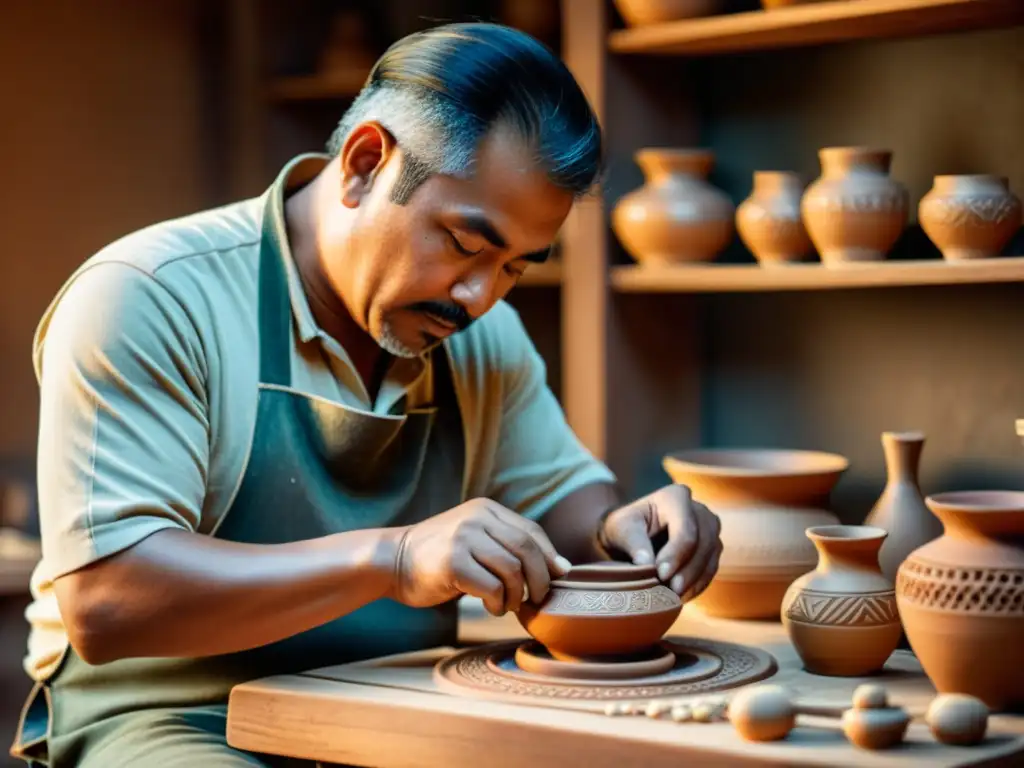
(450, 313)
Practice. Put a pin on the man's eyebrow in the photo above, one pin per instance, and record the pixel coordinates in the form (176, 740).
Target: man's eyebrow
(474, 222)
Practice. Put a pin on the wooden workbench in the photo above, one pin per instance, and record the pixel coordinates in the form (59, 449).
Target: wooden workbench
(389, 713)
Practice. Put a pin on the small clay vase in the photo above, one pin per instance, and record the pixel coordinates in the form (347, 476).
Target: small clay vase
(900, 509)
(769, 221)
(638, 13)
(961, 597)
(601, 611)
(676, 216)
(854, 212)
(970, 217)
(842, 617)
(765, 499)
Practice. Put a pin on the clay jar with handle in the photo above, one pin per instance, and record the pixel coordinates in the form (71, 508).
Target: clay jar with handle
(602, 610)
(842, 617)
(676, 216)
(970, 217)
(900, 509)
(854, 211)
(769, 220)
(961, 597)
(765, 500)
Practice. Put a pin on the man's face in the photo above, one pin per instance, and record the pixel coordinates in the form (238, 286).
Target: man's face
(413, 274)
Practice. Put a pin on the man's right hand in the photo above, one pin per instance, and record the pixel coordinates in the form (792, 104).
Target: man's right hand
(478, 548)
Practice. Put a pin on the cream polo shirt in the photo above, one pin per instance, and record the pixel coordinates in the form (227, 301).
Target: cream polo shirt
(147, 361)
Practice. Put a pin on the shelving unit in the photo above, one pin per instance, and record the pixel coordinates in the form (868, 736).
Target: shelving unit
(315, 88)
(732, 353)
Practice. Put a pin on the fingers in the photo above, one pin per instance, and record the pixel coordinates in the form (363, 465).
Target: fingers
(707, 545)
(676, 511)
(471, 578)
(627, 529)
(495, 556)
(557, 564)
(706, 576)
(531, 567)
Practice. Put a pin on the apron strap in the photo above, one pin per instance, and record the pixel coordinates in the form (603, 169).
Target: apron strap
(275, 311)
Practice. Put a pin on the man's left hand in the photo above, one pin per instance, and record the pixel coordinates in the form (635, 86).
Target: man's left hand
(689, 559)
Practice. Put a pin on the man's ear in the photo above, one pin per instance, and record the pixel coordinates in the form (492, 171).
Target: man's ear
(364, 154)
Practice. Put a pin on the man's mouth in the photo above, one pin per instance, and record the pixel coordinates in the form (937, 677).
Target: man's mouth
(441, 323)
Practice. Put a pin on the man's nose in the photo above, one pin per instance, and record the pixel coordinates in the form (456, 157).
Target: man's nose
(475, 292)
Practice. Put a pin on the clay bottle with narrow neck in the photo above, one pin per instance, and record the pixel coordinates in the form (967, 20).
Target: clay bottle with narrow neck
(900, 509)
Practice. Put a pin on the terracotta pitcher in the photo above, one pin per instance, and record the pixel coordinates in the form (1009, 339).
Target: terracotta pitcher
(765, 500)
(961, 597)
(842, 617)
(900, 509)
(769, 220)
(854, 212)
(970, 217)
(676, 216)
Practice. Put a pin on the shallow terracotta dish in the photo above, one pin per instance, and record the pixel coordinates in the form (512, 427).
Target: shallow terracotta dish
(601, 611)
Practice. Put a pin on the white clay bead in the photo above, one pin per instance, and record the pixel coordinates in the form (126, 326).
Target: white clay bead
(681, 713)
(657, 708)
(870, 696)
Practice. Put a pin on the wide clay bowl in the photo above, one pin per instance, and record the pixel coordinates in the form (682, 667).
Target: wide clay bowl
(602, 610)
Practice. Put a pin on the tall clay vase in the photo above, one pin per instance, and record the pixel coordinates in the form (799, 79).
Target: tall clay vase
(961, 597)
(854, 212)
(842, 617)
(769, 221)
(970, 217)
(900, 509)
(676, 216)
(765, 500)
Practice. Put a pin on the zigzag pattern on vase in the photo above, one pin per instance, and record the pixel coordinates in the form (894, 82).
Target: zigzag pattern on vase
(853, 610)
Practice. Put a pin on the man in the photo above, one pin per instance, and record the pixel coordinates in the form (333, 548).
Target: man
(290, 432)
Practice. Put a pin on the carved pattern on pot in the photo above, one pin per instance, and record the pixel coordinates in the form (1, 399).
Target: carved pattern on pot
(579, 602)
(871, 203)
(975, 590)
(854, 610)
(975, 210)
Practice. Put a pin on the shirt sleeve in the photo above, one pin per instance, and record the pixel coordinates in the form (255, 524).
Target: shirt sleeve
(538, 458)
(123, 436)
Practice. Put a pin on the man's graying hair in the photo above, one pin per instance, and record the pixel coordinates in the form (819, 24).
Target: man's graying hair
(439, 92)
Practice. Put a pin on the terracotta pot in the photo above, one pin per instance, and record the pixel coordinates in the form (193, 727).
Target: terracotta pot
(765, 500)
(961, 597)
(842, 617)
(602, 610)
(900, 509)
(637, 13)
(970, 217)
(773, 4)
(676, 216)
(769, 221)
(854, 212)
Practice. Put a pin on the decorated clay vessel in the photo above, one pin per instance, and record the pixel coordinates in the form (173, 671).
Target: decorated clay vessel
(769, 221)
(637, 13)
(842, 617)
(602, 610)
(765, 500)
(676, 216)
(970, 217)
(961, 597)
(854, 211)
(900, 509)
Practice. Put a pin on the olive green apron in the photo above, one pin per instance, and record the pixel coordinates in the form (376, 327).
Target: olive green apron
(315, 468)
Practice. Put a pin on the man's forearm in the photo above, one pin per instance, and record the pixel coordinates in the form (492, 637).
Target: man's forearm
(187, 595)
(572, 523)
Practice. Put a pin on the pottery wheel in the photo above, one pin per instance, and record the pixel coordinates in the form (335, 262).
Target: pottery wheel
(532, 663)
(702, 666)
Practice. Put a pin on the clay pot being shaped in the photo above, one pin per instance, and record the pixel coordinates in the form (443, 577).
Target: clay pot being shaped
(638, 13)
(842, 617)
(854, 212)
(676, 216)
(602, 610)
(900, 509)
(769, 221)
(765, 499)
(961, 597)
(970, 217)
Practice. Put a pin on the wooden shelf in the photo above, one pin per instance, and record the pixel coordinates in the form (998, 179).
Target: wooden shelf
(542, 275)
(816, 23)
(726, 278)
(315, 87)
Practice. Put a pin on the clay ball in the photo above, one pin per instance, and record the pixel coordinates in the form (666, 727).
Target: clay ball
(870, 696)
(958, 719)
(762, 713)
